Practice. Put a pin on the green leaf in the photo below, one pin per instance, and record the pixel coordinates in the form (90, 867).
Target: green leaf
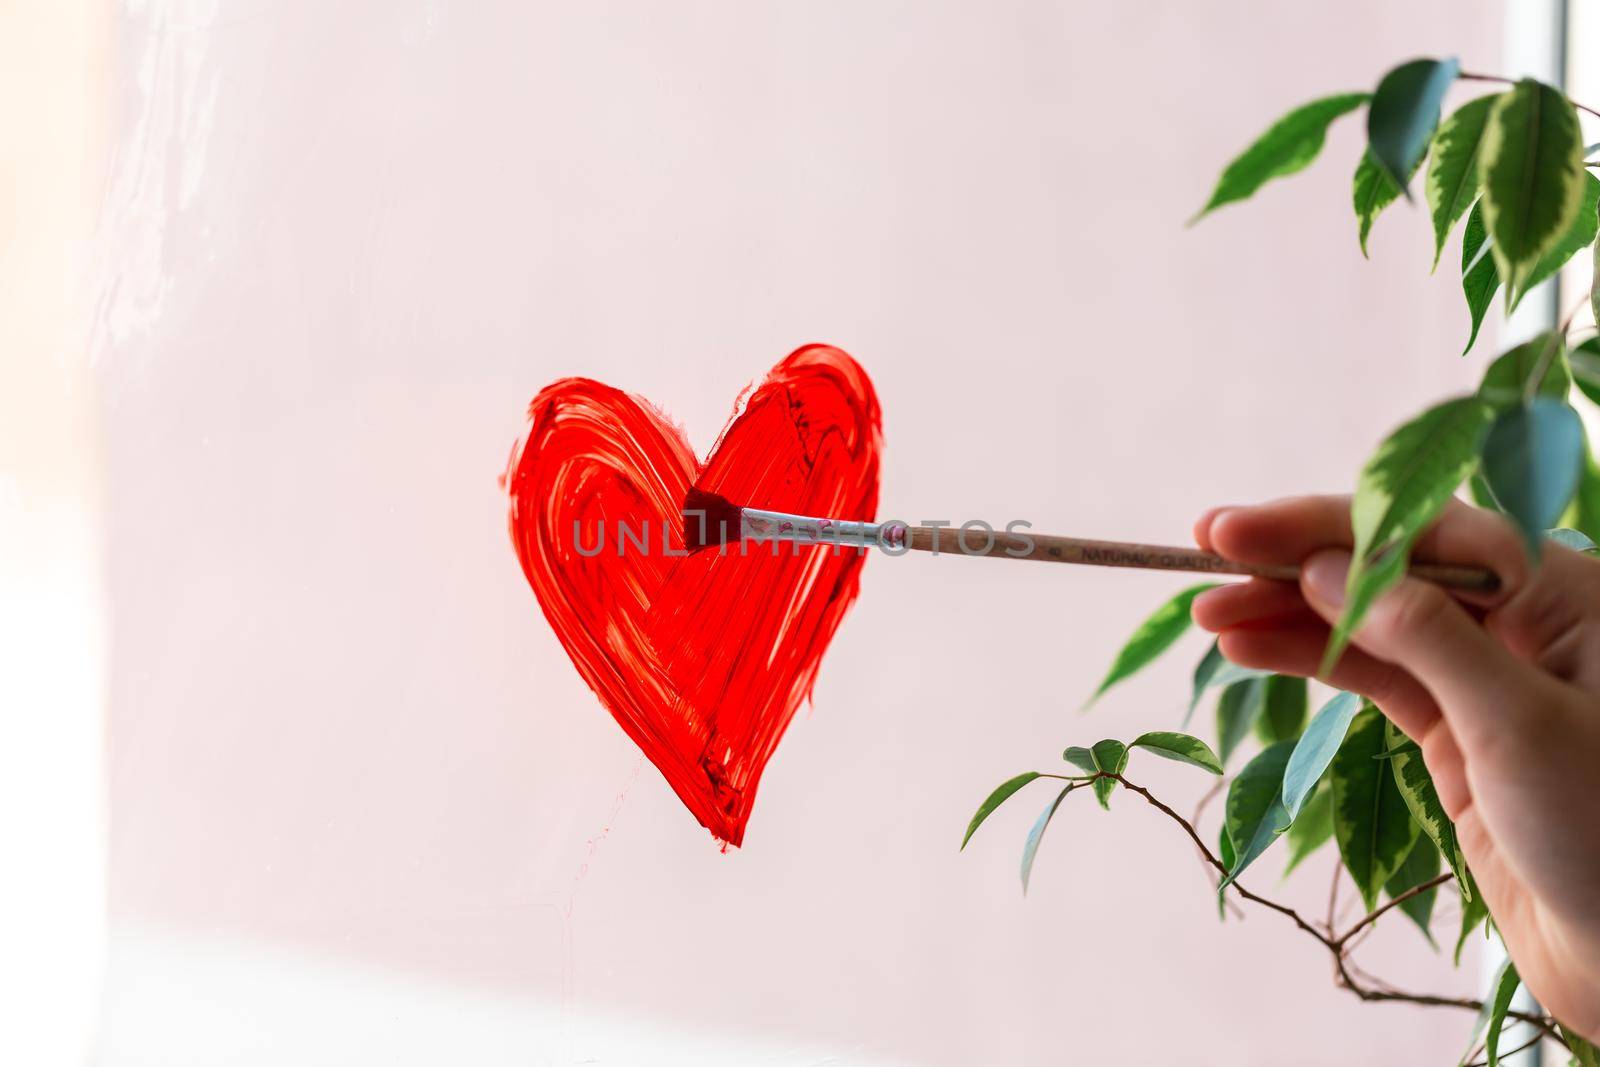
(1401, 490)
(1284, 707)
(1478, 1022)
(1453, 170)
(1594, 286)
(1507, 377)
(1422, 800)
(1585, 515)
(1577, 237)
(1001, 794)
(1180, 747)
(1110, 757)
(1421, 865)
(1312, 827)
(1473, 914)
(1214, 670)
(1316, 748)
(1082, 758)
(1532, 160)
(1533, 460)
(1288, 146)
(1237, 711)
(1254, 814)
(1505, 987)
(1479, 276)
(1480, 493)
(1225, 854)
(1372, 190)
(1030, 848)
(1576, 540)
(1370, 818)
(1153, 637)
(1582, 516)
(1404, 113)
(1584, 1053)
(1585, 363)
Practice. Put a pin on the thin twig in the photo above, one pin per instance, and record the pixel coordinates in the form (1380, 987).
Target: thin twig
(1547, 354)
(1199, 810)
(1333, 896)
(1282, 909)
(1205, 800)
(1467, 76)
(1566, 324)
(1532, 1041)
(1364, 974)
(1338, 946)
(1415, 890)
(1351, 946)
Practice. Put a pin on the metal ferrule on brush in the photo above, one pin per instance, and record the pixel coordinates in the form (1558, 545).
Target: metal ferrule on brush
(758, 525)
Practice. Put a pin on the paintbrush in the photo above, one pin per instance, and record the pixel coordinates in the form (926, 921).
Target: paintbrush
(711, 520)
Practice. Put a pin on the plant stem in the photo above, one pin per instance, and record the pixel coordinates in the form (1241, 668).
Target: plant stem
(1199, 809)
(1333, 897)
(1532, 1041)
(1338, 946)
(1402, 898)
(1211, 858)
(1547, 355)
(1468, 76)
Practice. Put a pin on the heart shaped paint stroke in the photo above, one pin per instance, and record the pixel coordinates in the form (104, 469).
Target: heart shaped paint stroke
(702, 658)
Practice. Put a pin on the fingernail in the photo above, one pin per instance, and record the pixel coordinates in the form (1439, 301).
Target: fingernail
(1206, 523)
(1324, 575)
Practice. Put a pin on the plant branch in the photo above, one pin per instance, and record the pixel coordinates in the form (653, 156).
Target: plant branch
(1333, 897)
(1338, 945)
(1547, 355)
(1282, 909)
(1468, 76)
(1532, 1041)
(1199, 809)
(1205, 800)
(1415, 890)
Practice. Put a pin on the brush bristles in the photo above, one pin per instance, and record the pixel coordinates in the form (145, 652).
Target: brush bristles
(709, 519)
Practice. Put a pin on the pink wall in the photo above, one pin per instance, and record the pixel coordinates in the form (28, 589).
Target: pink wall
(346, 243)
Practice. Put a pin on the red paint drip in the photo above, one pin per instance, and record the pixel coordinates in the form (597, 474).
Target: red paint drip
(703, 659)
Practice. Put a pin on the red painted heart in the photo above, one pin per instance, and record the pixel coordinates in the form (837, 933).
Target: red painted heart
(702, 658)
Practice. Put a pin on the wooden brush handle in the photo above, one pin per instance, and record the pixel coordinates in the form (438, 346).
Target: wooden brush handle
(1152, 557)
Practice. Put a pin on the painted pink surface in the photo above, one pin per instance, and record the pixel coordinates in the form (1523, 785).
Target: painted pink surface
(345, 243)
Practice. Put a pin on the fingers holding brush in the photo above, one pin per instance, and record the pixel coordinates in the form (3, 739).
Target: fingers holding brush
(1419, 646)
(1298, 650)
(1259, 603)
(1290, 530)
(1284, 626)
(1270, 626)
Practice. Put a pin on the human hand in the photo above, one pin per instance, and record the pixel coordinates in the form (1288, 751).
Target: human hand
(1501, 692)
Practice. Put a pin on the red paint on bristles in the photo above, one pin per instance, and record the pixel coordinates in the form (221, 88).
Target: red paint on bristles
(709, 519)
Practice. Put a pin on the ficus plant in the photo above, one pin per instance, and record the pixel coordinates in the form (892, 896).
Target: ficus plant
(1513, 165)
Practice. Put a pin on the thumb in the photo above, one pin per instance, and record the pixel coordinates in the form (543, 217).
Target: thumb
(1480, 687)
